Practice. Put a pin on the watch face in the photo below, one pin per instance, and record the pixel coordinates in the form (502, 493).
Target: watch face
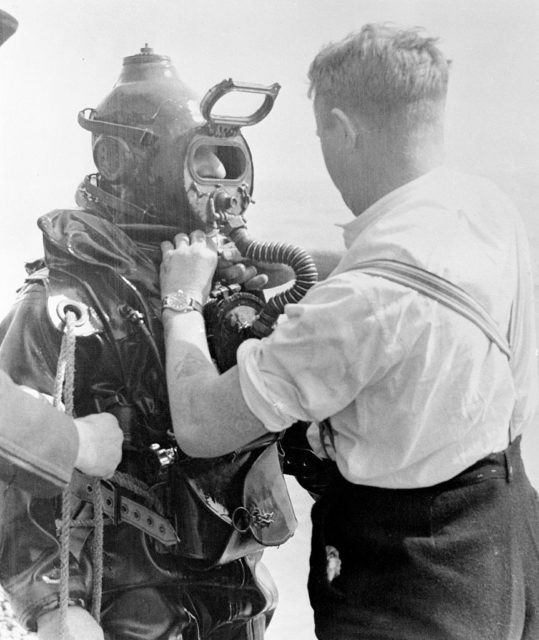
(180, 300)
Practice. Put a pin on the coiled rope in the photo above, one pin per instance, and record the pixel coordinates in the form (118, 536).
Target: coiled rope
(64, 386)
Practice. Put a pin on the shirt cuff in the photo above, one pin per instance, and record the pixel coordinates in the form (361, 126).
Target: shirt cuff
(269, 411)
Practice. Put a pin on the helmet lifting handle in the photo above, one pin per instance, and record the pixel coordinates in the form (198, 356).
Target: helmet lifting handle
(228, 86)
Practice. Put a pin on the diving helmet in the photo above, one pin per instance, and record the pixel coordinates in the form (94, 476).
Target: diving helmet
(164, 156)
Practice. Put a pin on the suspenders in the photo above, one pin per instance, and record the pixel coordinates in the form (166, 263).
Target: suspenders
(442, 290)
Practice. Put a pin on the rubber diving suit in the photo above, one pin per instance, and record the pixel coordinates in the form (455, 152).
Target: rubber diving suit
(101, 263)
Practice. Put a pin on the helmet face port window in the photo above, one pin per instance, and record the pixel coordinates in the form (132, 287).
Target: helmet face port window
(217, 162)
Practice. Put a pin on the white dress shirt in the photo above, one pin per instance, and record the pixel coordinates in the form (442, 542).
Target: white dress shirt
(416, 393)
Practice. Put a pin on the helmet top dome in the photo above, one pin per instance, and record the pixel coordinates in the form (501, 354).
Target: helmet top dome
(148, 85)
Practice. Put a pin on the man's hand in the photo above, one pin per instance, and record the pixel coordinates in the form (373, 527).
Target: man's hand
(80, 625)
(188, 264)
(100, 445)
(233, 269)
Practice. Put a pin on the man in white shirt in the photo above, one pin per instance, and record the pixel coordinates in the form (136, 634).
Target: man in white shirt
(430, 528)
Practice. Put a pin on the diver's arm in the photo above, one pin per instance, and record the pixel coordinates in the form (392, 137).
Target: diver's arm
(209, 414)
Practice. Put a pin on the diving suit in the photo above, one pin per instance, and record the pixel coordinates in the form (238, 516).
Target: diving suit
(161, 169)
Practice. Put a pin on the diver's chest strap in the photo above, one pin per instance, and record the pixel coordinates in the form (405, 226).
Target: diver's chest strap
(441, 290)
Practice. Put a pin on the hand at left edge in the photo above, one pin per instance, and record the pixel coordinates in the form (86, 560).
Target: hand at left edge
(80, 625)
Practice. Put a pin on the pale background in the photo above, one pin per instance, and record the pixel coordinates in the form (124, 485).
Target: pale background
(67, 54)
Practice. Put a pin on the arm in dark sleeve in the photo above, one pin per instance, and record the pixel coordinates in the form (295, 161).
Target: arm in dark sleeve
(40, 465)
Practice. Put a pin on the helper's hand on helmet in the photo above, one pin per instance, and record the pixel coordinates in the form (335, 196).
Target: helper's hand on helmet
(189, 265)
(80, 625)
(233, 269)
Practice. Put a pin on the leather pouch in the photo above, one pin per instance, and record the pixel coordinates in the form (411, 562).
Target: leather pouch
(235, 506)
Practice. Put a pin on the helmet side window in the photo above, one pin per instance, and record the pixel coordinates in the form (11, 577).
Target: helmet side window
(113, 158)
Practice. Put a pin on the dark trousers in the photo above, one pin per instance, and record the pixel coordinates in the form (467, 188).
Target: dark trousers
(456, 561)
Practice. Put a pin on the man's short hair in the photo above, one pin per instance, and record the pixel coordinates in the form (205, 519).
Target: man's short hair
(383, 72)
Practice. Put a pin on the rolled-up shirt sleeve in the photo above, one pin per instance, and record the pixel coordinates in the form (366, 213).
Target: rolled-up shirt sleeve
(264, 400)
(318, 358)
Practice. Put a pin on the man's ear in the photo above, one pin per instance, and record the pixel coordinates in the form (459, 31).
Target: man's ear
(346, 127)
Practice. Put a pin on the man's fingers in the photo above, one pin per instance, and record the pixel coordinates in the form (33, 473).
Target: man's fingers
(231, 253)
(181, 238)
(166, 246)
(246, 275)
(250, 272)
(234, 274)
(198, 236)
(212, 242)
(257, 283)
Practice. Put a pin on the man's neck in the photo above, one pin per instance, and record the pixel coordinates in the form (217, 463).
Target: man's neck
(391, 173)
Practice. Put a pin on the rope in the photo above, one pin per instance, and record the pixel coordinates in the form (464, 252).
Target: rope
(64, 565)
(97, 550)
(64, 386)
(65, 376)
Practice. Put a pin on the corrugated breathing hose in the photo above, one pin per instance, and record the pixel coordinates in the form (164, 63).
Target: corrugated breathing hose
(294, 257)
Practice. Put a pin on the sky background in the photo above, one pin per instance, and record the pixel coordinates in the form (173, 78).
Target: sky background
(67, 54)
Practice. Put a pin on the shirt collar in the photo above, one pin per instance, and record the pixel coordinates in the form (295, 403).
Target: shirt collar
(352, 229)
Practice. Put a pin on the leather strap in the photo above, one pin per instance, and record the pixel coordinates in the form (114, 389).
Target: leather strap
(119, 508)
(135, 135)
(441, 290)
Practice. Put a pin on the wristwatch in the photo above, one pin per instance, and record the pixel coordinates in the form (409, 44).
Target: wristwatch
(180, 302)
